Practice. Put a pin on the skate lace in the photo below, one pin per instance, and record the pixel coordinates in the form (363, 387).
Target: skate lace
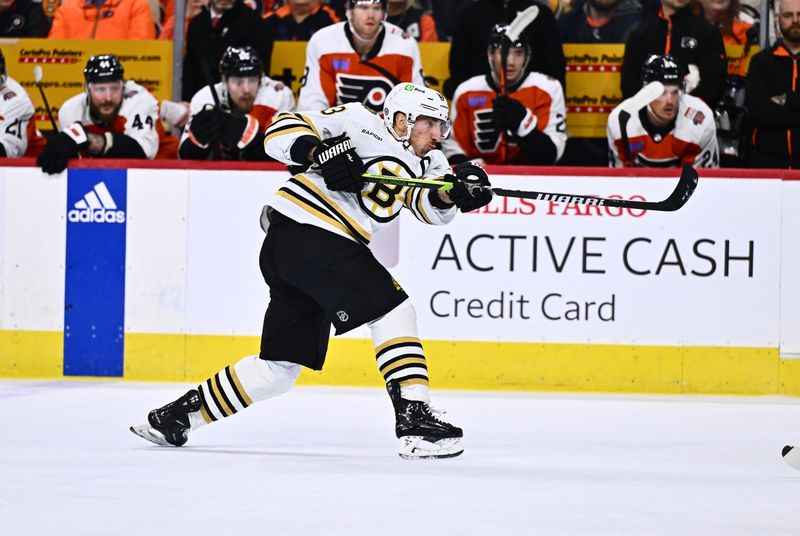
(435, 413)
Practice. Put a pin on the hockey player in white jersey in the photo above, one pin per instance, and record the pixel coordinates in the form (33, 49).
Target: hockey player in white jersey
(359, 60)
(675, 129)
(112, 118)
(320, 272)
(248, 102)
(16, 113)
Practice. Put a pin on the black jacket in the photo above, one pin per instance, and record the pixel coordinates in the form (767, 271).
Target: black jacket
(24, 19)
(574, 26)
(776, 127)
(471, 36)
(240, 26)
(692, 40)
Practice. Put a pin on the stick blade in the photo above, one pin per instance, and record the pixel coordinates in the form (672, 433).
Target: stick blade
(37, 73)
(683, 191)
(520, 22)
(645, 96)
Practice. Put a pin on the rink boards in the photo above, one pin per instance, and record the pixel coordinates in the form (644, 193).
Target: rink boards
(152, 274)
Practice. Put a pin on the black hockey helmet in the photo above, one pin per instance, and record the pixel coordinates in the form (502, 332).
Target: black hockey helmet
(240, 61)
(103, 68)
(662, 69)
(498, 35)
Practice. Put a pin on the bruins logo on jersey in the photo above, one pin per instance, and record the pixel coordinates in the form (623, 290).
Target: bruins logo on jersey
(371, 91)
(487, 136)
(382, 202)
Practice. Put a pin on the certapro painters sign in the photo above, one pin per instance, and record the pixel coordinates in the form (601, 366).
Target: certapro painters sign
(554, 272)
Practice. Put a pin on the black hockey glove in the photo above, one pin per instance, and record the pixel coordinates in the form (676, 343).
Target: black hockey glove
(339, 164)
(61, 147)
(508, 113)
(239, 130)
(471, 188)
(206, 125)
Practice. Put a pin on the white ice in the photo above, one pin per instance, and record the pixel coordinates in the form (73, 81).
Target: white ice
(323, 461)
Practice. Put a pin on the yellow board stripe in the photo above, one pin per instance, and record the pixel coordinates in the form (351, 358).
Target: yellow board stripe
(397, 340)
(495, 366)
(238, 386)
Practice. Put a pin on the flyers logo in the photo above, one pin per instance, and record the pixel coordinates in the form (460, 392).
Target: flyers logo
(486, 135)
(369, 90)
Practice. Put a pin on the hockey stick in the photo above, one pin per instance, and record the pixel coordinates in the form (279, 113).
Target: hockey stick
(645, 96)
(37, 79)
(683, 191)
(515, 29)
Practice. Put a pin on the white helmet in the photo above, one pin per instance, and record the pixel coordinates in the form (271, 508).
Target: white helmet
(413, 101)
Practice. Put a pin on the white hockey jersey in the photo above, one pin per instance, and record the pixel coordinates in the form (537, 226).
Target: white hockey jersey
(16, 112)
(693, 140)
(137, 118)
(273, 97)
(475, 136)
(336, 74)
(304, 197)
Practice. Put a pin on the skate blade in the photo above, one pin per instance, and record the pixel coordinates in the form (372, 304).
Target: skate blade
(145, 431)
(791, 455)
(418, 448)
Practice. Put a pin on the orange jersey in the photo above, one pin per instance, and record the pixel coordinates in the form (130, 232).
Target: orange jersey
(692, 139)
(741, 25)
(475, 136)
(115, 19)
(336, 74)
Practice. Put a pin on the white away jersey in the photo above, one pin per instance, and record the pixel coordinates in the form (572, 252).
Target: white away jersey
(16, 112)
(692, 141)
(137, 117)
(272, 97)
(336, 74)
(305, 199)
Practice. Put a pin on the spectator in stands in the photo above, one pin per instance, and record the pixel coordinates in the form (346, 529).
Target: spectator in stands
(773, 95)
(600, 21)
(736, 26)
(444, 14)
(360, 60)
(112, 118)
(23, 18)
(298, 20)
(521, 123)
(409, 17)
(475, 22)
(694, 43)
(730, 113)
(16, 115)
(219, 25)
(103, 19)
(673, 130)
(248, 100)
(193, 7)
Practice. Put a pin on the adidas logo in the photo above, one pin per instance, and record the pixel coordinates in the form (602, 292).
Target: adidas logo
(97, 206)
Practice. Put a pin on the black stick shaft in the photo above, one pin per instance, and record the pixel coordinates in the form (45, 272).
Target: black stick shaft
(47, 106)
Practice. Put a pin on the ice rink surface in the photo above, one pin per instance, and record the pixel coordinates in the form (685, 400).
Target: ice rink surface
(323, 461)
